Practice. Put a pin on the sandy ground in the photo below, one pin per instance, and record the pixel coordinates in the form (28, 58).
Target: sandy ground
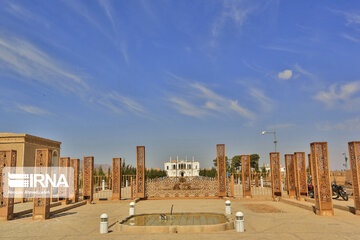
(263, 220)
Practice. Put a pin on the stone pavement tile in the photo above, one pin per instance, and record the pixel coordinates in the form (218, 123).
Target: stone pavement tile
(290, 223)
(23, 206)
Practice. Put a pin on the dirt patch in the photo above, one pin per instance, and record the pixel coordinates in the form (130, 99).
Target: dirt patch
(262, 208)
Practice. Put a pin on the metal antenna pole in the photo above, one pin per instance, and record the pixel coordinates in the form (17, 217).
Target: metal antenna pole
(275, 141)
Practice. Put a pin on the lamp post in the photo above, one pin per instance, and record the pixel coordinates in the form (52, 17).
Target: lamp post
(273, 132)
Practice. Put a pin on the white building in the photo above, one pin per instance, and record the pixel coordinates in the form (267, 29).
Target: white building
(182, 168)
(282, 169)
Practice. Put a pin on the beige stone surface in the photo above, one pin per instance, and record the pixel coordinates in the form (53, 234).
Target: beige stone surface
(25, 145)
(289, 223)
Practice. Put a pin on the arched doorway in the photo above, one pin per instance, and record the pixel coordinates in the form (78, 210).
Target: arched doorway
(182, 174)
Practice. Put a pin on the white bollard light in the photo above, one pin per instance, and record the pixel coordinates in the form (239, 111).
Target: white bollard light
(261, 181)
(227, 207)
(103, 185)
(239, 222)
(104, 223)
(132, 209)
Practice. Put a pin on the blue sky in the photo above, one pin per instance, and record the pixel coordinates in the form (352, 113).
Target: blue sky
(181, 76)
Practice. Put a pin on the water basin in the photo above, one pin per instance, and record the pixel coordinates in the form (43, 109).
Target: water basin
(176, 223)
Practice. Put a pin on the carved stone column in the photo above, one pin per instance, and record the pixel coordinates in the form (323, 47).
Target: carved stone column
(290, 171)
(354, 153)
(310, 169)
(116, 178)
(110, 182)
(41, 209)
(321, 179)
(88, 178)
(301, 178)
(246, 175)
(275, 174)
(296, 177)
(140, 172)
(221, 169)
(75, 164)
(286, 179)
(64, 162)
(7, 159)
(286, 174)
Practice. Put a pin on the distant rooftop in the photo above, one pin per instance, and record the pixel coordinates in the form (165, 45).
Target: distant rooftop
(17, 135)
(181, 160)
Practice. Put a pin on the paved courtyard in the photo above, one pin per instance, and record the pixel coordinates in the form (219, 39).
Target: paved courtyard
(263, 220)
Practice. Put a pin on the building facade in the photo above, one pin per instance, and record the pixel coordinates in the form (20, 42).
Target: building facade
(25, 146)
(182, 168)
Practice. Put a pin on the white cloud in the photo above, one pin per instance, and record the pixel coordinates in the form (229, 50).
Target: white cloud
(220, 103)
(350, 17)
(235, 14)
(18, 11)
(233, 11)
(115, 38)
(351, 38)
(120, 44)
(187, 108)
(343, 96)
(253, 67)
(32, 109)
(118, 103)
(83, 11)
(347, 125)
(108, 11)
(304, 72)
(23, 14)
(25, 60)
(207, 93)
(124, 51)
(240, 110)
(198, 100)
(310, 82)
(265, 102)
(286, 74)
(211, 105)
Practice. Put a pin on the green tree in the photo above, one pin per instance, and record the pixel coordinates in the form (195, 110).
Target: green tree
(236, 163)
(215, 162)
(208, 172)
(263, 171)
(154, 173)
(254, 161)
(127, 169)
(101, 172)
(226, 160)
